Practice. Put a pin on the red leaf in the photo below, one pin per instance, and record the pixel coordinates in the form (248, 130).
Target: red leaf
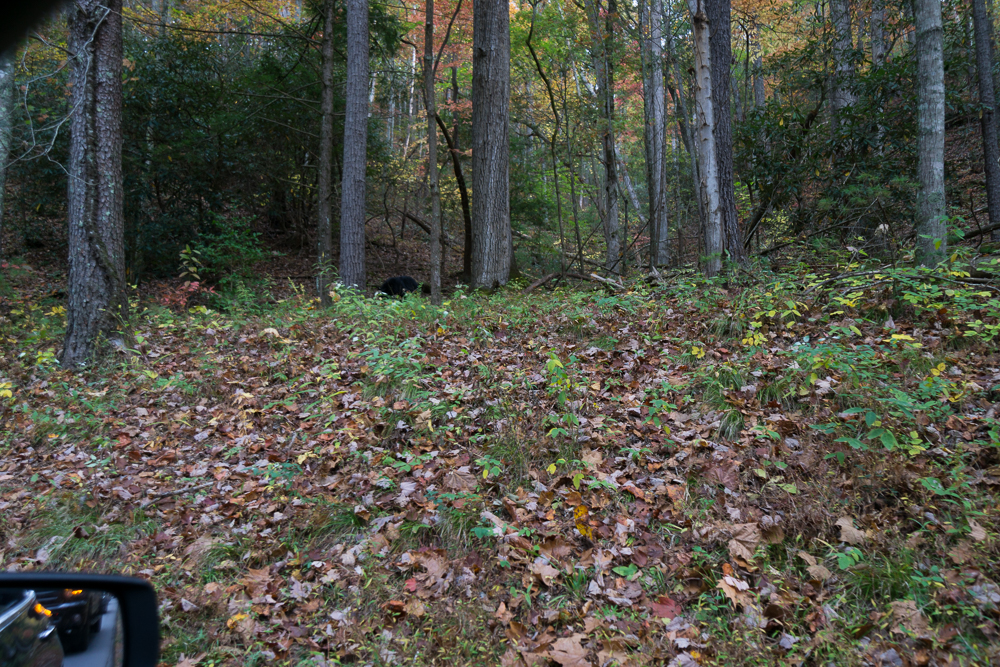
(665, 607)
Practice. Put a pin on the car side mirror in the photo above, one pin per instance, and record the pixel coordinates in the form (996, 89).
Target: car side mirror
(108, 620)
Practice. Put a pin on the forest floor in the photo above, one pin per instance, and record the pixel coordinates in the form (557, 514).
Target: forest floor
(786, 471)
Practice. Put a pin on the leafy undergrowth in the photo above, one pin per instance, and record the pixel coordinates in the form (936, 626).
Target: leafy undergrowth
(803, 470)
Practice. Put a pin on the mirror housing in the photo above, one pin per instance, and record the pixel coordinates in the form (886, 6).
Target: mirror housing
(136, 598)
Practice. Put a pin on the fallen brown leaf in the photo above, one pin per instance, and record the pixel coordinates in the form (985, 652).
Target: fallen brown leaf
(906, 614)
(848, 533)
(977, 532)
(569, 651)
(746, 537)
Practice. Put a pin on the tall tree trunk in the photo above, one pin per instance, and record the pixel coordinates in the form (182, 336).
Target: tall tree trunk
(655, 143)
(876, 32)
(352, 194)
(720, 42)
(993, 50)
(6, 121)
(686, 131)
(324, 186)
(707, 160)
(430, 103)
(492, 244)
(988, 119)
(932, 241)
(843, 66)
(98, 302)
(603, 56)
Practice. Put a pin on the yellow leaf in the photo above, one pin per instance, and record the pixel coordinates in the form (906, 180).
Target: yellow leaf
(581, 512)
(234, 620)
(551, 469)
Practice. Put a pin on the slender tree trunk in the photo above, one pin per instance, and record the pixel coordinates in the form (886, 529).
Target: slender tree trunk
(688, 139)
(932, 242)
(6, 121)
(492, 244)
(456, 161)
(720, 41)
(352, 194)
(686, 131)
(390, 125)
(451, 140)
(759, 96)
(626, 188)
(988, 119)
(430, 103)
(552, 139)
(612, 224)
(410, 97)
(571, 168)
(655, 143)
(603, 56)
(707, 159)
(324, 186)
(98, 302)
(759, 93)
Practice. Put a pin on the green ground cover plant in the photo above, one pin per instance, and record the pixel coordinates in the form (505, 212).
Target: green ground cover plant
(802, 470)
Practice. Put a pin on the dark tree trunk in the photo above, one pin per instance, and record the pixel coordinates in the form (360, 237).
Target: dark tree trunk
(720, 40)
(988, 119)
(6, 121)
(451, 139)
(98, 302)
(612, 232)
(463, 191)
(352, 194)
(492, 246)
(324, 186)
(430, 104)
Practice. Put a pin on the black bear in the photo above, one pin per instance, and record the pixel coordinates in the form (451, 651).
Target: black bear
(399, 286)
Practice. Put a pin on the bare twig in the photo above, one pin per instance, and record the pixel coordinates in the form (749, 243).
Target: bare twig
(177, 492)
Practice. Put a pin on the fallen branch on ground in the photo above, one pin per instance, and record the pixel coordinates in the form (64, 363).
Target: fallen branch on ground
(593, 277)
